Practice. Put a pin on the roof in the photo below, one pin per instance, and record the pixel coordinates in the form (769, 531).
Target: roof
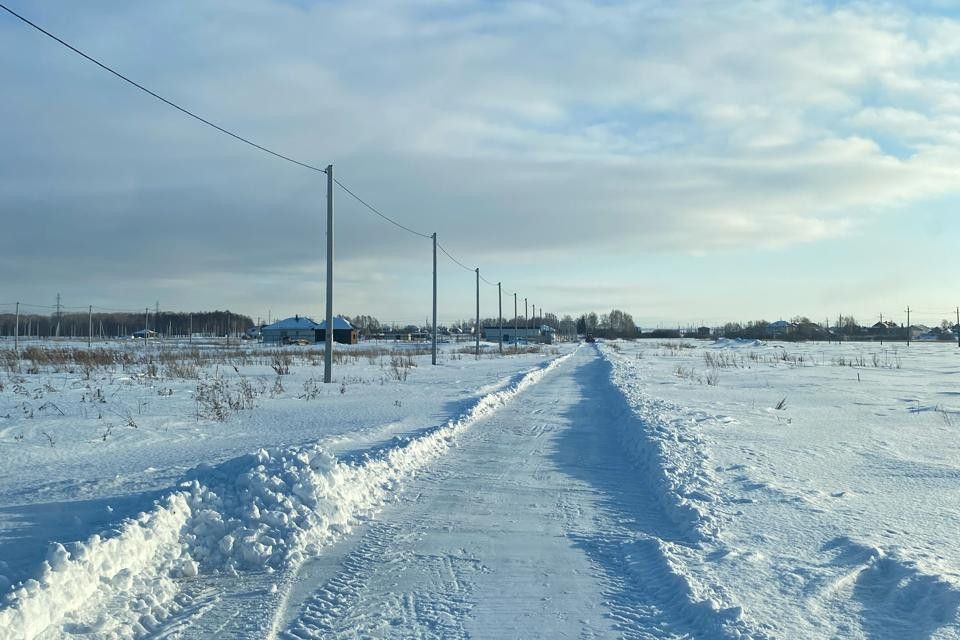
(296, 322)
(339, 322)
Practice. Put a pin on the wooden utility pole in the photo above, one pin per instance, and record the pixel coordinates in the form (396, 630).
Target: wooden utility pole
(526, 322)
(146, 325)
(433, 350)
(89, 325)
(908, 325)
(59, 315)
(478, 315)
(516, 337)
(500, 314)
(16, 332)
(328, 354)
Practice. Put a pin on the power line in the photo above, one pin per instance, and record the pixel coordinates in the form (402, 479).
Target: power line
(492, 284)
(225, 131)
(447, 253)
(156, 95)
(466, 268)
(382, 215)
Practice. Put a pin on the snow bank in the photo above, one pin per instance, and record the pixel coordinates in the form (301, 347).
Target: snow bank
(268, 510)
(738, 343)
(665, 441)
(94, 573)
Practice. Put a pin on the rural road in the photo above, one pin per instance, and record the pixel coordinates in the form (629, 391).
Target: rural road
(536, 525)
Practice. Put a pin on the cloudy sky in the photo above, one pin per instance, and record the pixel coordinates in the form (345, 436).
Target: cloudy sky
(684, 161)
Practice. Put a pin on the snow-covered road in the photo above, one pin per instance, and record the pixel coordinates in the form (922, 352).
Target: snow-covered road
(536, 525)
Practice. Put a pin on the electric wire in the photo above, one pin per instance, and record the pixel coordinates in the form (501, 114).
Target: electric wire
(379, 213)
(447, 253)
(157, 95)
(227, 132)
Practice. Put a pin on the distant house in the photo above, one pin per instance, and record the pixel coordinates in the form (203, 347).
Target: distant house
(885, 328)
(918, 330)
(290, 330)
(150, 334)
(780, 328)
(303, 328)
(543, 334)
(703, 332)
(343, 331)
(253, 333)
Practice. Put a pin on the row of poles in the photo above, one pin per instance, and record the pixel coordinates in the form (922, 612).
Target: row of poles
(328, 358)
(146, 326)
(328, 335)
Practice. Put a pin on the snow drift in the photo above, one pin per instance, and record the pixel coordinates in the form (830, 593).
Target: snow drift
(264, 511)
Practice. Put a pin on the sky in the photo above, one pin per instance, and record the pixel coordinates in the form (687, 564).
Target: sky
(692, 162)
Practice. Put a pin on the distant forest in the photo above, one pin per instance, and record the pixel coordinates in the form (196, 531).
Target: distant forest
(111, 325)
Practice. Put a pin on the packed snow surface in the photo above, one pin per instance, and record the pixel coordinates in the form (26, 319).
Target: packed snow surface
(728, 489)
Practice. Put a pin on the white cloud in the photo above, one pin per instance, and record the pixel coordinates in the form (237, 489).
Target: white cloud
(690, 127)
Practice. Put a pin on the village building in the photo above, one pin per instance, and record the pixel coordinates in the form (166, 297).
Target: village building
(290, 330)
(301, 328)
(544, 334)
(343, 331)
(780, 328)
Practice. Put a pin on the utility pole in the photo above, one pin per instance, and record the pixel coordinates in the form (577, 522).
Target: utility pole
(433, 350)
(16, 332)
(156, 316)
(59, 316)
(500, 314)
(146, 325)
(908, 325)
(526, 323)
(328, 354)
(191, 327)
(478, 314)
(89, 325)
(516, 338)
(958, 326)
(533, 314)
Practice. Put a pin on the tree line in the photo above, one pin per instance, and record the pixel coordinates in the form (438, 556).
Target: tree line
(113, 325)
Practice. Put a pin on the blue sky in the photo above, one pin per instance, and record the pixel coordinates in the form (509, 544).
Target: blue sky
(685, 162)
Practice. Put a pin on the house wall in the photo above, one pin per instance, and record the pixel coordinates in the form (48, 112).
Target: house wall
(278, 335)
(509, 335)
(342, 336)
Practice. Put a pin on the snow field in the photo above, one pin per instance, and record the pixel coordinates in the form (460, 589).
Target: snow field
(266, 511)
(824, 479)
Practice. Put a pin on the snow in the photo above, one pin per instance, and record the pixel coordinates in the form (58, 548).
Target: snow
(259, 511)
(833, 516)
(728, 489)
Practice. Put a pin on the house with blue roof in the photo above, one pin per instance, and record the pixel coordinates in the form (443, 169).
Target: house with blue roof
(303, 328)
